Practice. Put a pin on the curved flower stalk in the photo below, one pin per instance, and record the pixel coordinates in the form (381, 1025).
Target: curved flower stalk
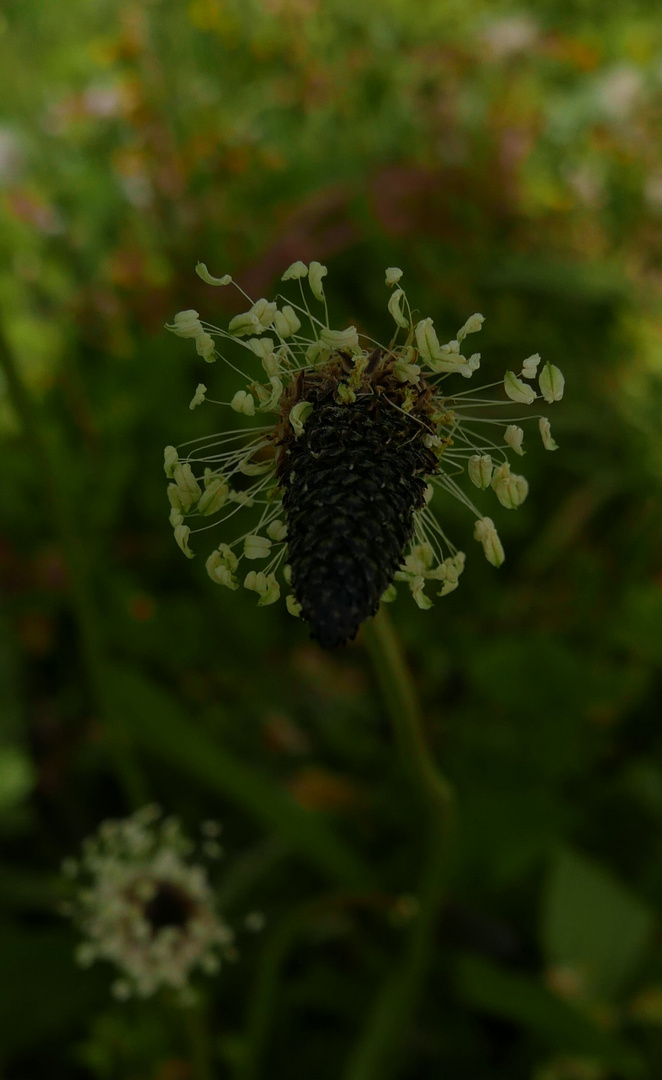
(145, 906)
(361, 438)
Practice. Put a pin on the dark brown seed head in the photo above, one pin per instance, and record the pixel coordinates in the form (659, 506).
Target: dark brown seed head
(170, 906)
(351, 484)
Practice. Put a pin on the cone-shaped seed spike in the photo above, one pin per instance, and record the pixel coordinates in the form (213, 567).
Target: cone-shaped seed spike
(352, 481)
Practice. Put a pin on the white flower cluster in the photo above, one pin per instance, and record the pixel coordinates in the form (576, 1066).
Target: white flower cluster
(205, 473)
(143, 905)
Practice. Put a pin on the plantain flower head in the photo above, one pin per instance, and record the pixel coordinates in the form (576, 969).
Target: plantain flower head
(349, 449)
(146, 906)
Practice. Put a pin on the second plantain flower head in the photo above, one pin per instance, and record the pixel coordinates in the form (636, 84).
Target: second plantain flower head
(361, 442)
(144, 903)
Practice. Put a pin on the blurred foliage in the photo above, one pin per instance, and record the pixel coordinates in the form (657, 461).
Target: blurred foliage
(509, 160)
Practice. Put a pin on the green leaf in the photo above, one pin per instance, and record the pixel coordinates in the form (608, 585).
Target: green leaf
(45, 994)
(17, 777)
(593, 923)
(525, 1002)
(158, 723)
(638, 623)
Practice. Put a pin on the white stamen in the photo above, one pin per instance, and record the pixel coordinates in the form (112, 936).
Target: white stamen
(518, 390)
(551, 383)
(202, 272)
(545, 429)
(315, 274)
(199, 396)
(513, 437)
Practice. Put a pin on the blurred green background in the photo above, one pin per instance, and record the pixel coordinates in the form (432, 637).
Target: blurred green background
(509, 159)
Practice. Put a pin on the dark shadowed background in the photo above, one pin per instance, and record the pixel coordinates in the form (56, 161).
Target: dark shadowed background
(509, 159)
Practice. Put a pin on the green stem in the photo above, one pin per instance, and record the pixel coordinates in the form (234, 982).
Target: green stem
(75, 554)
(265, 991)
(375, 1054)
(403, 707)
(263, 999)
(198, 1036)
